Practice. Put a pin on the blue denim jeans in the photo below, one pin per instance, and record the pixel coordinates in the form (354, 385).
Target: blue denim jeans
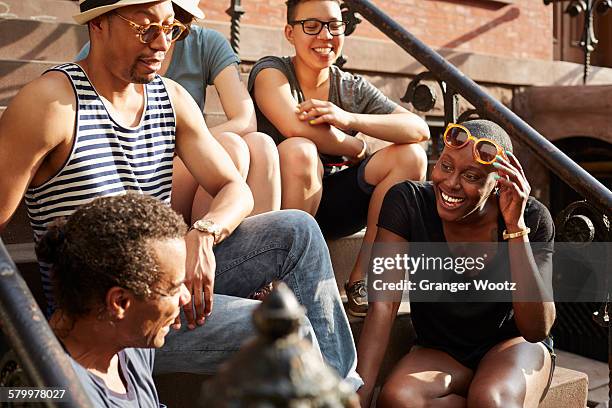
(284, 245)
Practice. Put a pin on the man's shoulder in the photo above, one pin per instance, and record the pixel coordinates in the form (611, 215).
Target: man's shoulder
(52, 86)
(175, 90)
(46, 103)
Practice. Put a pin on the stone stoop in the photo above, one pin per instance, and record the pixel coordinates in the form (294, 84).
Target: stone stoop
(568, 389)
(343, 253)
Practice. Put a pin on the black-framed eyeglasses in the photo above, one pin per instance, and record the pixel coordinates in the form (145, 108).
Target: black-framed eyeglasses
(147, 33)
(313, 26)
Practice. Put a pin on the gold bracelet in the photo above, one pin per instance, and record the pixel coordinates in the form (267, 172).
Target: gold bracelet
(520, 233)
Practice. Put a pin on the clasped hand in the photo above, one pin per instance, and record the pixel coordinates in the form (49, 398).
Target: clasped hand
(318, 112)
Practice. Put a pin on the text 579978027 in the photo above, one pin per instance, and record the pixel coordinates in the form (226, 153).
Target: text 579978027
(32, 394)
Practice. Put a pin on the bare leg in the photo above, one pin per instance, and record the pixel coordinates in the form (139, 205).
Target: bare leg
(301, 174)
(264, 172)
(426, 378)
(512, 374)
(388, 167)
(239, 153)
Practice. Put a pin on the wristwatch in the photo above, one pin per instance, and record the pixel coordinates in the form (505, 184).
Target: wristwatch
(209, 227)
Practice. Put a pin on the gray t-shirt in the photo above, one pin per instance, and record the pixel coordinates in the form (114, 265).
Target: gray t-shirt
(136, 367)
(351, 93)
(196, 61)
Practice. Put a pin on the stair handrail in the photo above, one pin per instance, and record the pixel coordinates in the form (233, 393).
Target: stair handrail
(553, 158)
(29, 335)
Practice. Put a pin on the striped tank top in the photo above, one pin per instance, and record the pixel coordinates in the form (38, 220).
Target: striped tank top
(106, 158)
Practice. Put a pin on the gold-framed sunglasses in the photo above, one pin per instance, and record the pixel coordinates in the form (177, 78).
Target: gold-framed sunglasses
(147, 33)
(484, 150)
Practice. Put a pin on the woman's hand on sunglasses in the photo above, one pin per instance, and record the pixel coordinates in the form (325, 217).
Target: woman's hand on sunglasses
(318, 112)
(514, 190)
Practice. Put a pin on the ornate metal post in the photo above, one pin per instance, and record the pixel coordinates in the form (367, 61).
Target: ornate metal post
(583, 222)
(235, 11)
(277, 369)
(588, 41)
(352, 20)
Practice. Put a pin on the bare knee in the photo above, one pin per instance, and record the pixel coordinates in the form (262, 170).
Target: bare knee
(299, 158)
(262, 149)
(412, 159)
(237, 149)
(494, 396)
(403, 394)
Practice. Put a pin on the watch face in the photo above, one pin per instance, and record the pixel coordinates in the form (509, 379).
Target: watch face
(207, 226)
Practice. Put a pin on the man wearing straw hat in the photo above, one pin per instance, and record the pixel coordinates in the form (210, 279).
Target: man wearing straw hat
(110, 125)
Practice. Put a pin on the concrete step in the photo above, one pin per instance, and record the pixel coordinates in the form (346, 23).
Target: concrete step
(14, 74)
(343, 254)
(41, 41)
(568, 390)
(42, 10)
(596, 371)
(18, 230)
(214, 118)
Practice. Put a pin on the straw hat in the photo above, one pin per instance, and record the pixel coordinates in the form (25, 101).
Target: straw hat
(190, 6)
(91, 9)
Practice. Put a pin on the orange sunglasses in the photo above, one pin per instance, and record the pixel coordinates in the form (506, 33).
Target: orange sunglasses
(484, 150)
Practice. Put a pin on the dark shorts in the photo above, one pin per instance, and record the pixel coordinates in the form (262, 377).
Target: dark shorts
(344, 204)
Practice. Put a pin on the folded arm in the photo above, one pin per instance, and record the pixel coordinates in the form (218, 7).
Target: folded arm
(274, 99)
(399, 126)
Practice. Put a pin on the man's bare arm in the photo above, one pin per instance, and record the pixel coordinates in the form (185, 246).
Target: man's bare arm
(273, 96)
(237, 103)
(38, 120)
(209, 163)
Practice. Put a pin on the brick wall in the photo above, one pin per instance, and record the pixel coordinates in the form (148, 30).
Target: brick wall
(521, 29)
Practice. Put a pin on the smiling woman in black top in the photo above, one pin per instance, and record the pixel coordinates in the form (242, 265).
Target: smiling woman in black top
(474, 354)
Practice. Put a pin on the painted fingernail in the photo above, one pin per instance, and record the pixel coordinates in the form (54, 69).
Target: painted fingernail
(496, 164)
(509, 153)
(496, 177)
(498, 157)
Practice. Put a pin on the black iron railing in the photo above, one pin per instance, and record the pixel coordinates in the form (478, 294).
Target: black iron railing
(29, 335)
(553, 158)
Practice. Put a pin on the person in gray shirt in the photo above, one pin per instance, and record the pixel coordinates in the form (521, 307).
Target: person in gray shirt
(119, 272)
(312, 109)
